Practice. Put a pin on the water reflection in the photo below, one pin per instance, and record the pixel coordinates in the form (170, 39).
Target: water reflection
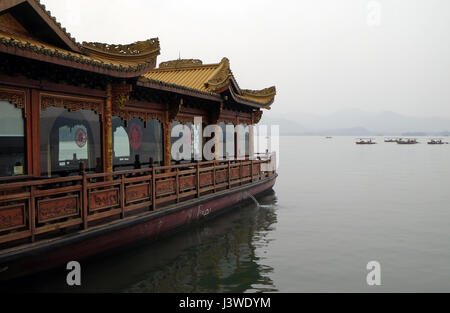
(225, 254)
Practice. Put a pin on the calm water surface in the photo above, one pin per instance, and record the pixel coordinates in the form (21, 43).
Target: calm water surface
(336, 206)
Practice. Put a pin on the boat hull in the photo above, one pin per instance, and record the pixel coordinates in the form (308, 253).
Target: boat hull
(85, 244)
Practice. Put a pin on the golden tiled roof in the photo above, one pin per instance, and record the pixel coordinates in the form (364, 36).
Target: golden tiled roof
(190, 74)
(207, 78)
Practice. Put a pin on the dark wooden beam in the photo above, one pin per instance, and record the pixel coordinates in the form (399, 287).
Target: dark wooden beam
(19, 81)
(7, 4)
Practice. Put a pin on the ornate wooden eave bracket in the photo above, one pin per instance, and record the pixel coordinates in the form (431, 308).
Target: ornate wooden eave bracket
(174, 110)
(70, 103)
(256, 117)
(129, 114)
(120, 94)
(216, 115)
(15, 97)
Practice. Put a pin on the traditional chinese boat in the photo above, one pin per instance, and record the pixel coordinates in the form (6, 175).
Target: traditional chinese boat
(437, 141)
(365, 141)
(86, 136)
(407, 141)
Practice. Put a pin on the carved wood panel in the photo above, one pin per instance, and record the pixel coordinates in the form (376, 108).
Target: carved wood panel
(206, 179)
(256, 169)
(235, 173)
(187, 182)
(184, 118)
(164, 187)
(54, 209)
(221, 176)
(120, 94)
(246, 171)
(71, 103)
(12, 217)
(128, 114)
(103, 199)
(135, 193)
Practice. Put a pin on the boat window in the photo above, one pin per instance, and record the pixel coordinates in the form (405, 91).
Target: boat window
(197, 140)
(73, 143)
(12, 140)
(67, 139)
(227, 140)
(193, 141)
(247, 140)
(244, 140)
(135, 142)
(121, 144)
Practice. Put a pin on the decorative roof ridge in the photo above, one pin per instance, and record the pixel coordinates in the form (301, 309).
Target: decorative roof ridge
(138, 48)
(265, 105)
(180, 69)
(267, 92)
(181, 64)
(221, 76)
(69, 56)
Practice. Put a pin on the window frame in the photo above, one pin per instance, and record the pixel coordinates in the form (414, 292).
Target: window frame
(21, 99)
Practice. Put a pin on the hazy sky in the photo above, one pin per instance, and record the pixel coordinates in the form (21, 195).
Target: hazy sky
(322, 55)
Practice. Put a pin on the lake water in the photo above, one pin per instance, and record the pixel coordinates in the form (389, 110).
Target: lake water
(335, 207)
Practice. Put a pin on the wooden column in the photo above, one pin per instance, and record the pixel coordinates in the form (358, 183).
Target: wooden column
(236, 141)
(35, 116)
(217, 143)
(108, 131)
(251, 137)
(167, 142)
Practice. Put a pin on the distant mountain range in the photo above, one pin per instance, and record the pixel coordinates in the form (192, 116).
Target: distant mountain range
(354, 122)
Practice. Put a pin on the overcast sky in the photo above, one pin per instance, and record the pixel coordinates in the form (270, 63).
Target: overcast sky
(322, 55)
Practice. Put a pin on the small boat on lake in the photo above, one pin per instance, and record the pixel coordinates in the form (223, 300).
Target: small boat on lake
(407, 141)
(365, 141)
(437, 141)
(391, 139)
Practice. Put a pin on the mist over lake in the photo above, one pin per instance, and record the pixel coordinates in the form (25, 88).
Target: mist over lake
(356, 122)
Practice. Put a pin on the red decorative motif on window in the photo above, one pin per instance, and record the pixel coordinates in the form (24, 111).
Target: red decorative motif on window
(80, 137)
(135, 134)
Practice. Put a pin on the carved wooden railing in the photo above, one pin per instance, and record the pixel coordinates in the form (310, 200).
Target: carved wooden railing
(45, 208)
